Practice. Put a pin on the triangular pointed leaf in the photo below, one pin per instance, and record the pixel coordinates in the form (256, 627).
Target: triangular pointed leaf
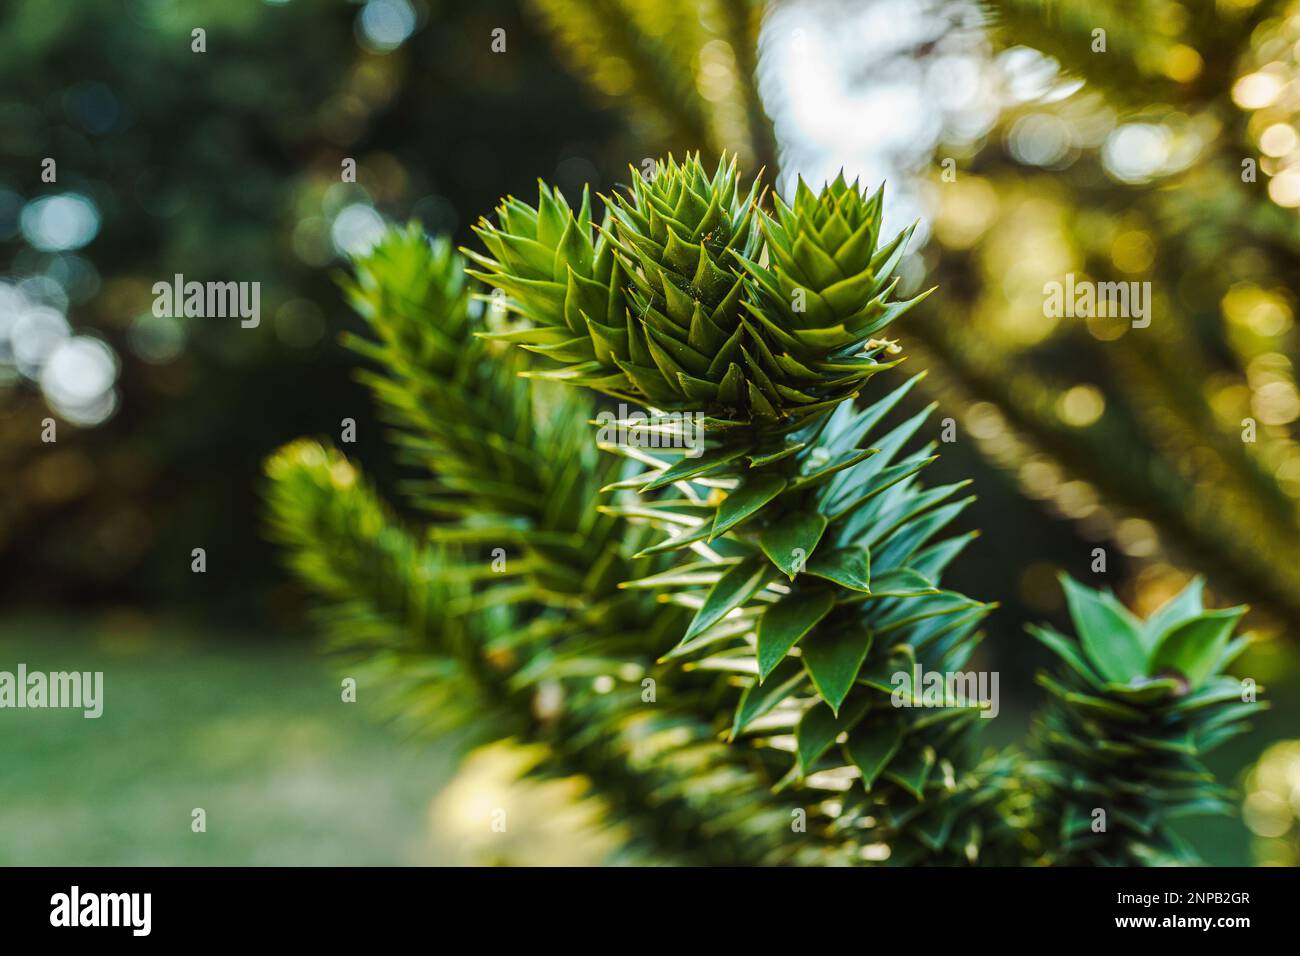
(790, 543)
(1068, 651)
(1194, 647)
(872, 745)
(786, 621)
(691, 466)
(737, 585)
(1110, 634)
(847, 567)
(912, 769)
(833, 661)
(758, 698)
(819, 727)
(1187, 603)
(752, 494)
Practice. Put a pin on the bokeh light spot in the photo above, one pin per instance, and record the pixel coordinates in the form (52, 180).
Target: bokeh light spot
(59, 223)
(384, 25)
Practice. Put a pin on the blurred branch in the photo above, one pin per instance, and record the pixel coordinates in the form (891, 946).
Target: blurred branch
(689, 67)
(1128, 67)
(611, 53)
(1155, 492)
(744, 21)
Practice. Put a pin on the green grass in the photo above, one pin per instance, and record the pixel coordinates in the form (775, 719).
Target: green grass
(254, 733)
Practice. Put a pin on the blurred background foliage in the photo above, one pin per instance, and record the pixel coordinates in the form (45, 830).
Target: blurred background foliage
(222, 166)
(1165, 150)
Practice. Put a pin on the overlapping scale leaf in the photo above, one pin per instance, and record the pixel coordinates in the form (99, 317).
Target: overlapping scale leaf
(824, 588)
(678, 233)
(668, 302)
(1118, 750)
(468, 424)
(563, 280)
(823, 540)
(822, 301)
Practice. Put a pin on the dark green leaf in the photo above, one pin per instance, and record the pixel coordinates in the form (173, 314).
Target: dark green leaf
(688, 467)
(1187, 603)
(912, 769)
(791, 541)
(737, 585)
(833, 661)
(873, 744)
(1111, 636)
(1068, 651)
(786, 621)
(1194, 647)
(740, 504)
(758, 698)
(818, 729)
(847, 567)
